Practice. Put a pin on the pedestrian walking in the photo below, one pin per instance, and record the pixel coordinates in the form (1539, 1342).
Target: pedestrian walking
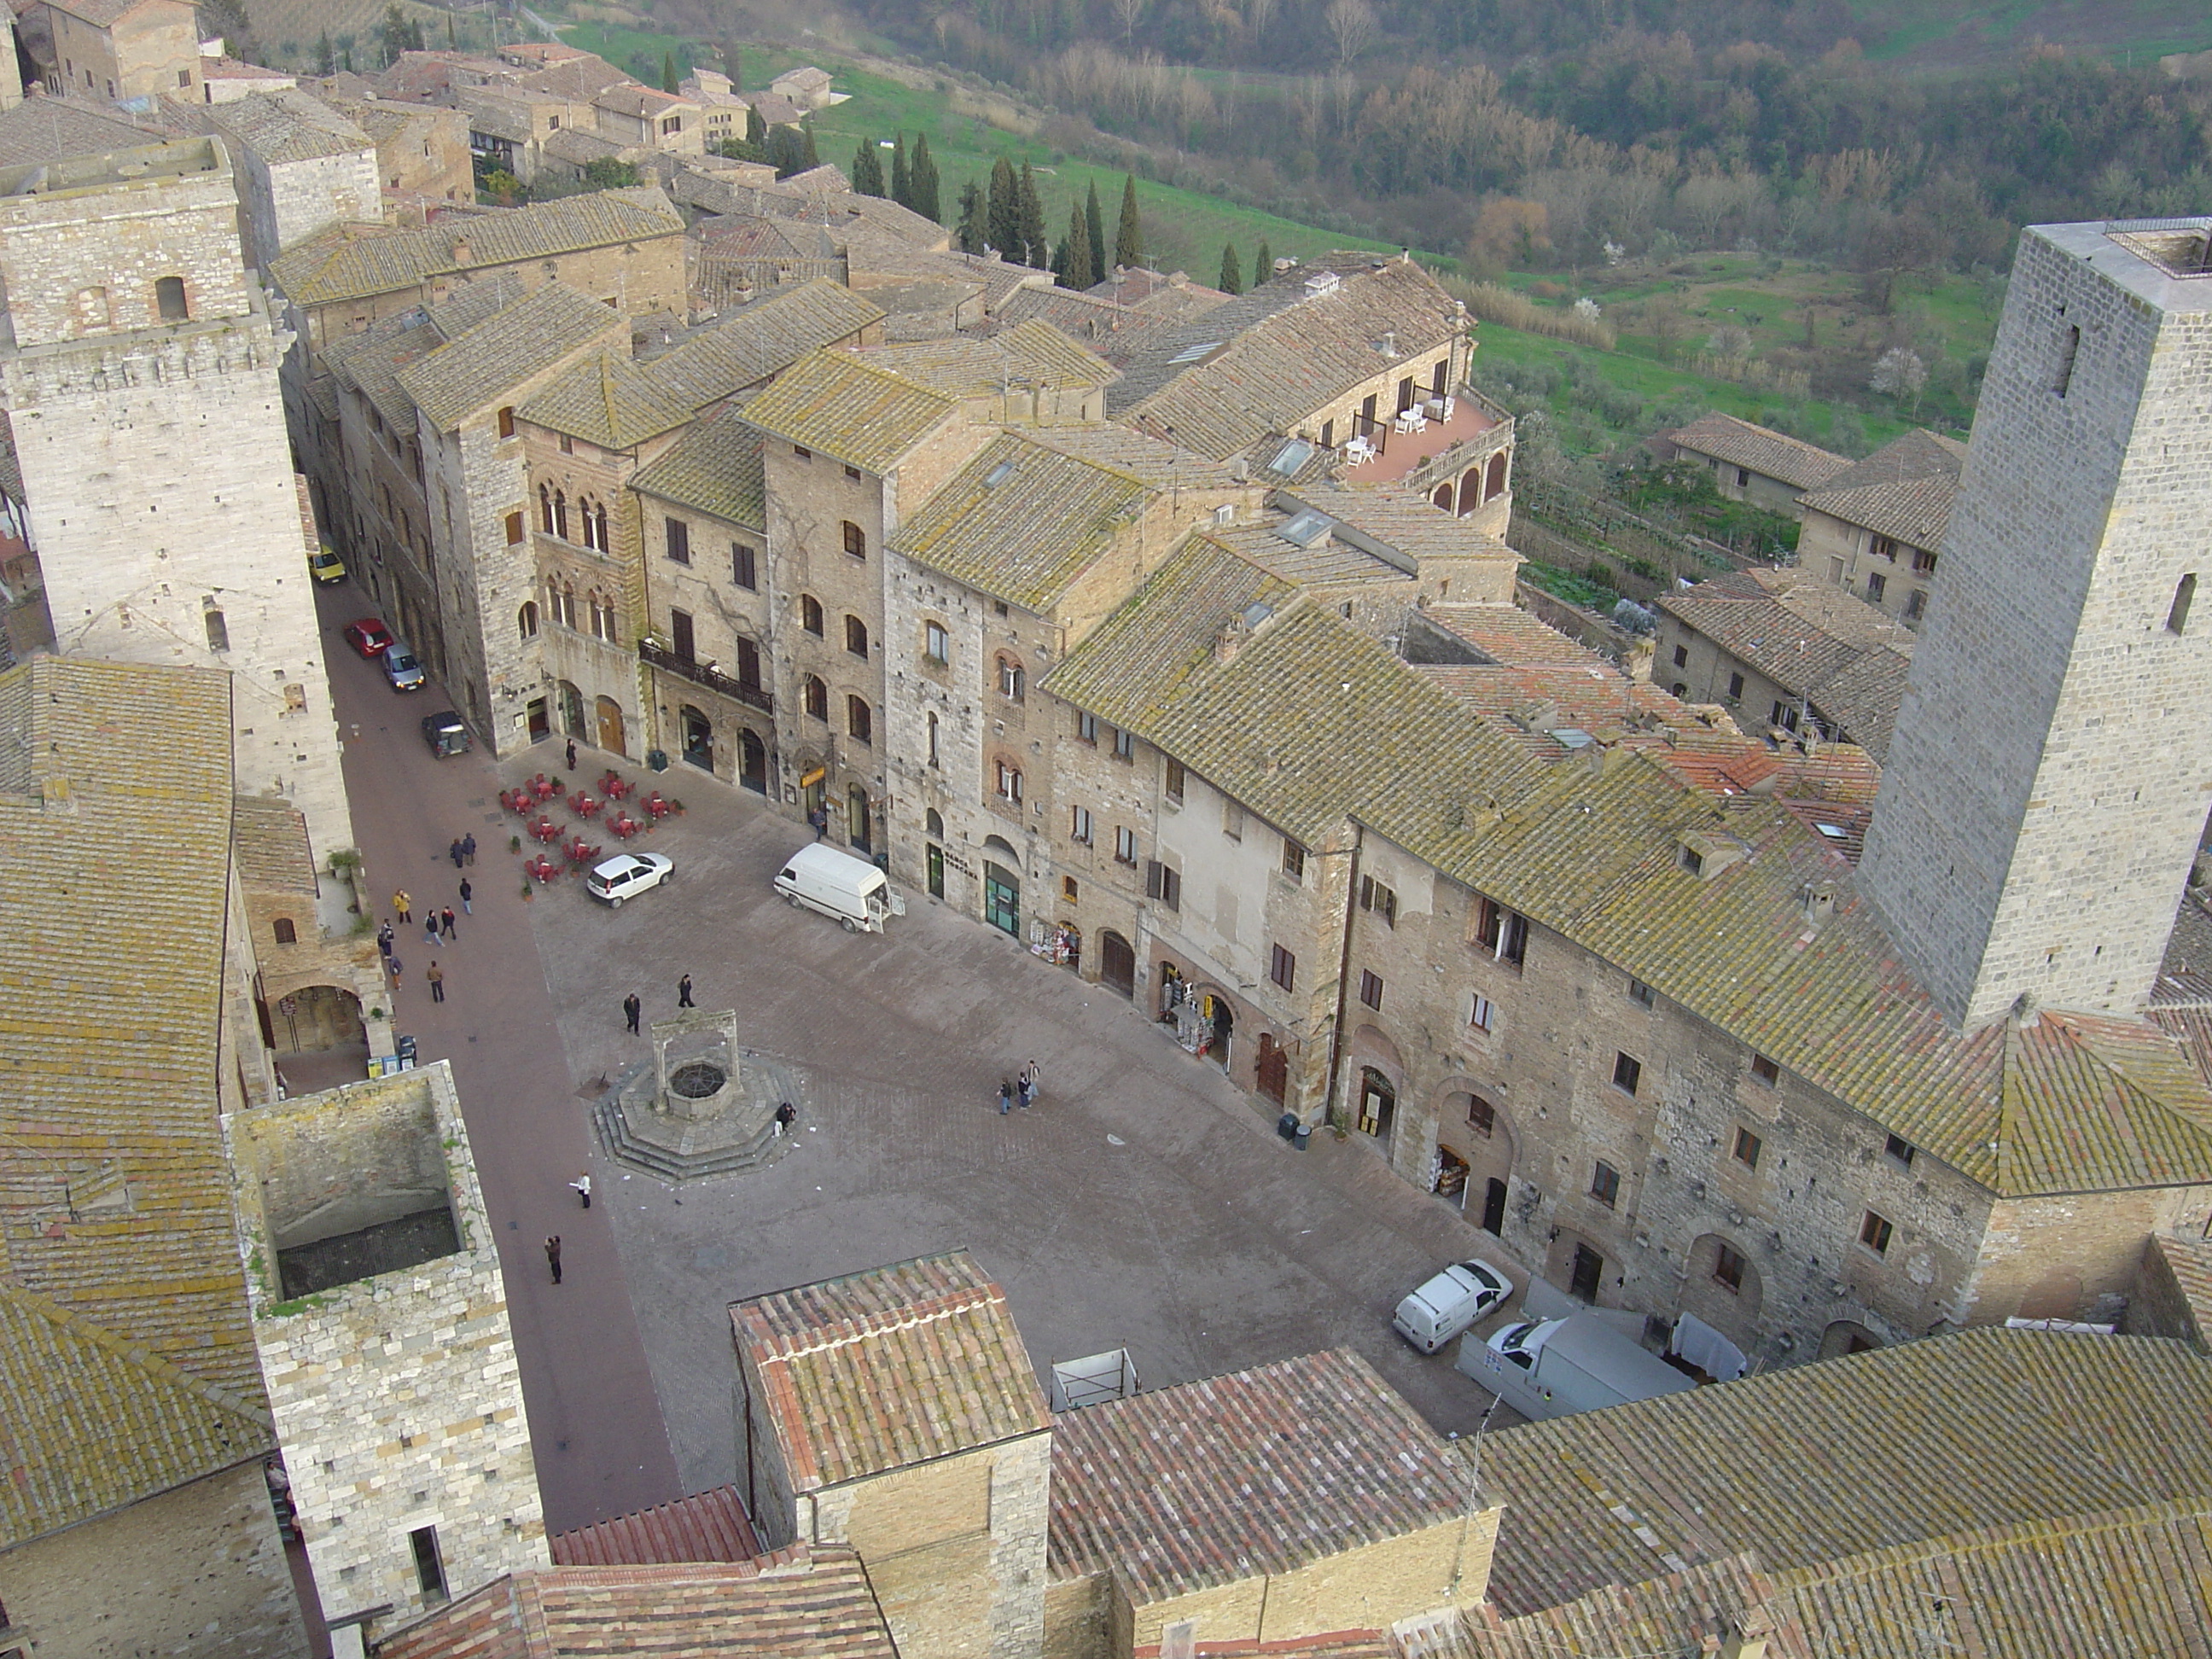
(553, 1256)
(445, 923)
(683, 992)
(469, 847)
(398, 968)
(431, 929)
(402, 906)
(383, 939)
(819, 817)
(437, 983)
(581, 1186)
(1022, 1088)
(454, 852)
(1032, 1083)
(572, 753)
(631, 1008)
(1005, 1097)
(786, 1115)
(467, 893)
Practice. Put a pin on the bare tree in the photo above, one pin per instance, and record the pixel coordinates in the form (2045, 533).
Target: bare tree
(1352, 26)
(1258, 14)
(1130, 12)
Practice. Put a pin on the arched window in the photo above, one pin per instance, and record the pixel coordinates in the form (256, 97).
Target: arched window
(561, 514)
(933, 823)
(599, 523)
(856, 540)
(810, 614)
(859, 719)
(286, 934)
(933, 760)
(1006, 780)
(562, 601)
(169, 299)
(856, 636)
(1012, 682)
(603, 615)
(590, 530)
(545, 508)
(816, 696)
(526, 620)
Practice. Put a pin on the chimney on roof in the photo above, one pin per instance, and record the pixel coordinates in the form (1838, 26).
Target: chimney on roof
(461, 250)
(1230, 640)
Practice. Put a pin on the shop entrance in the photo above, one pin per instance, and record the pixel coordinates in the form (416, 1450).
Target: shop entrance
(1002, 899)
(856, 819)
(1493, 1207)
(1378, 1104)
(1272, 1069)
(698, 740)
(541, 721)
(1117, 964)
(752, 761)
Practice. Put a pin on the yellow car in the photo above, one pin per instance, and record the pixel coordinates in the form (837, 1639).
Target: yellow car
(324, 565)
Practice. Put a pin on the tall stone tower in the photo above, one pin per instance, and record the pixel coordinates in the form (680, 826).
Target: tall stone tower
(2052, 765)
(138, 366)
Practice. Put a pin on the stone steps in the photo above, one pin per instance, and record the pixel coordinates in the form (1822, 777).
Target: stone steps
(672, 1163)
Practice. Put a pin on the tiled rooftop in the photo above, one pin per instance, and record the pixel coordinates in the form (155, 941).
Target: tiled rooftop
(503, 353)
(1030, 353)
(1404, 520)
(840, 404)
(763, 339)
(1261, 1471)
(1398, 452)
(286, 125)
(709, 1526)
(1888, 1450)
(714, 467)
(608, 400)
(1759, 449)
(1902, 490)
(817, 1603)
(888, 1368)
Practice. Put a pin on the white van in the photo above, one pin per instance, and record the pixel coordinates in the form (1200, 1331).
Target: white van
(820, 877)
(1447, 1305)
(1546, 1368)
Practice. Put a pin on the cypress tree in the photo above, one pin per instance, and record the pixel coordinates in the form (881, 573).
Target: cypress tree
(1129, 237)
(1073, 266)
(1096, 226)
(810, 156)
(1003, 226)
(733, 65)
(326, 59)
(975, 233)
(923, 181)
(668, 81)
(1032, 221)
(1263, 264)
(787, 150)
(1232, 279)
(452, 34)
(867, 170)
(902, 179)
(756, 134)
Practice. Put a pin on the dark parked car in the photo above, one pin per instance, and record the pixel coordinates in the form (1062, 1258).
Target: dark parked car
(445, 733)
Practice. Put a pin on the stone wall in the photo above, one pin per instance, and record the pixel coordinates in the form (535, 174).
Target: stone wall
(197, 1570)
(722, 614)
(396, 1398)
(287, 202)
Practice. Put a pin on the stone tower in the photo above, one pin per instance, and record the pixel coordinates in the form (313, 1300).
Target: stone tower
(2049, 777)
(138, 367)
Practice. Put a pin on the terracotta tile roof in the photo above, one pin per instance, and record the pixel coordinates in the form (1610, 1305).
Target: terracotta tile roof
(887, 1368)
(47, 129)
(1282, 355)
(1170, 296)
(608, 400)
(1332, 1644)
(102, 13)
(1158, 462)
(709, 1526)
(286, 125)
(91, 1421)
(1303, 687)
(114, 1192)
(1759, 449)
(763, 339)
(576, 80)
(815, 1603)
(1261, 1471)
(1902, 490)
(838, 402)
(1020, 522)
(269, 841)
(876, 256)
(581, 149)
(1666, 1615)
(1848, 657)
(2069, 1103)
(1030, 353)
(1112, 331)
(372, 360)
(1507, 634)
(1405, 520)
(715, 467)
(1535, 703)
(1324, 562)
(639, 102)
(1881, 1450)
(353, 262)
(2185, 978)
(501, 355)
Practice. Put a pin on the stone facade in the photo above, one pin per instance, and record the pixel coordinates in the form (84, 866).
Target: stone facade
(197, 1569)
(2041, 806)
(720, 603)
(143, 355)
(149, 50)
(1882, 570)
(396, 1396)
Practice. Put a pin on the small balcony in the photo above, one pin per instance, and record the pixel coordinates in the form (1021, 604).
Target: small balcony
(706, 674)
(1387, 451)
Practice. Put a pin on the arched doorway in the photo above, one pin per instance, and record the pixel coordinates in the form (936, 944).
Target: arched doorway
(1117, 963)
(611, 736)
(1495, 486)
(1846, 1337)
(1002, 898)
(1477, 1131)
(572, 711)
(1722, 1287)
(698, 738)
(1378, 1104)
(1470, 490)
(1272, 1070)
(314, 1017)
(1443, 498)
(857, 830)
(752, 761)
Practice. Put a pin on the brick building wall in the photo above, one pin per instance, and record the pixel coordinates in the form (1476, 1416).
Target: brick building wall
(726, 614)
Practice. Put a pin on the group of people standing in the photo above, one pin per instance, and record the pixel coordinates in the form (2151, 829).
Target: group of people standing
(440, 926)
(1022, 1089)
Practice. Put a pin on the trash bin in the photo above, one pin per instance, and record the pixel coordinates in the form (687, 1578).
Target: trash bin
(657, 759)
(1287, 1124)
(1302, 1137)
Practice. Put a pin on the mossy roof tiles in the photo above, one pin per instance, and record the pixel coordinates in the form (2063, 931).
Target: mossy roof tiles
(1886, 1449)
(1031, 354)
(506, 351)
(1759, 449)
(1905, 489)
(715, 468)
(608, 400)
(885, 1368)
(1021, 521)
(763, 339)
(1253, 1474)
(844, 407)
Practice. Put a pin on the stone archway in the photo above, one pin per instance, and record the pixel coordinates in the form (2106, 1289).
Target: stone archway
(1477, 1130)
(613, 737)
(1494, 485)
(1845, 1337)
(1470, 490)
(1442, 497)
(1722, 1286)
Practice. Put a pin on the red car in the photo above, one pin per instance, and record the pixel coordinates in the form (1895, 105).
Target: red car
(368, 637)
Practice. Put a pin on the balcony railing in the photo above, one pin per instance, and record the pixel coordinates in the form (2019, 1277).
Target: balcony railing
(706, 674)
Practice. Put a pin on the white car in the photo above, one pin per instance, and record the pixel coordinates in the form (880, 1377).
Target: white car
(628, 874)
(1455, 1299)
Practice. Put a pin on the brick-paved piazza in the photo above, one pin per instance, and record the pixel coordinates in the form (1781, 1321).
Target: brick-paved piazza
(1144, 1203)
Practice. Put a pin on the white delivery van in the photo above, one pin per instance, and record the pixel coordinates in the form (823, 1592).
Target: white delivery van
(1547, 1368)
(855, 892)
(1447, 1305)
